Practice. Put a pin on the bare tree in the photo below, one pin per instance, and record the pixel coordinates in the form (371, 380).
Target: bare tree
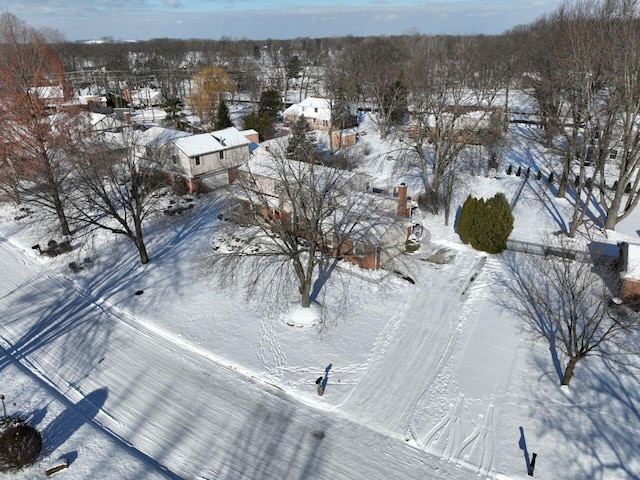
(293, 216)
(32, 84)
(113, 190)
(445, 115)
(567, 303)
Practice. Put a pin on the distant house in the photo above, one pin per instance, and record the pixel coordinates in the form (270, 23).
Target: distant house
(465, 124)
(316, 110)
(367, 229)
(144, 97)
(203, 160)
(100, 123)
(52, 96)
(630, 271)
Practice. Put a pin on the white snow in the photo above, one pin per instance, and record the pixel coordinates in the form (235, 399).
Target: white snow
(431, 379)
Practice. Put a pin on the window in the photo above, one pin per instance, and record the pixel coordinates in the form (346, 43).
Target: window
(315, 109)
(613, 154)
(358, 249)
(221, 154)
(174, 159)
(325, 123)
(196, 160)
(328, 241)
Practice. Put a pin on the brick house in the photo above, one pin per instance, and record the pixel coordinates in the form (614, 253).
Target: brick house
(472, 125)
(367, 229)
(629, 271)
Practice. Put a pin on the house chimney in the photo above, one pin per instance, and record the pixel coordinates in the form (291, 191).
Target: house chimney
(402, 200)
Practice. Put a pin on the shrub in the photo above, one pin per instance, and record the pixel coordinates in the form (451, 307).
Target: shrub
(509, 170)
(412, 244)
(551, 177)
(19, 447)
(539, 175)
(464, 226)
(519, 172)
(486, 225)
(180, 186)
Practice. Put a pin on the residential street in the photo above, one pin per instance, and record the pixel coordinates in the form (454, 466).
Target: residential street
(179, 412)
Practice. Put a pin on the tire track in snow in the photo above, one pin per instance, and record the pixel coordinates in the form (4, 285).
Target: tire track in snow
(479, 444)
(412, 351)
(447, 438)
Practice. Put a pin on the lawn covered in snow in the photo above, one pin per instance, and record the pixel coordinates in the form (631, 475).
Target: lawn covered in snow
(432, 376)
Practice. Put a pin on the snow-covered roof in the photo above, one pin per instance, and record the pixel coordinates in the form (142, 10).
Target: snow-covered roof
(158, 136)
(204, 143)
(308, 108)
(146, 96)
(51, 92)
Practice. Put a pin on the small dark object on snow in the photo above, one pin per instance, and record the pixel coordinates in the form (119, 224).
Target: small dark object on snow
(56, 466)
(532, 465)
(319, 381)
(409, 279)
(139, 292)
(36, 247)
(318, 434)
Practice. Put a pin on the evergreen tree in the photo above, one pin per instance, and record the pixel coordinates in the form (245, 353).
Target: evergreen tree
(341, 114)
(486, 225)
(494, 224)
(302, 145)
(223, 119)
(465, 220)
(270, 104)
(261, 124)
(510, 170)
(175, 117)
(396, 102)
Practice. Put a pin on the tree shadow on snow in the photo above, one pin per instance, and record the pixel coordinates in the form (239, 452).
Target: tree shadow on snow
(71, 419)
(524, 305)
(272, 445)
(41, 318)
(604, 442)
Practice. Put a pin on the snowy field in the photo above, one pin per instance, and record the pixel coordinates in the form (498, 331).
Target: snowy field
(431, 379)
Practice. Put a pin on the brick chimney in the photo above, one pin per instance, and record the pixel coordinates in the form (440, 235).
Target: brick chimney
(402, 200)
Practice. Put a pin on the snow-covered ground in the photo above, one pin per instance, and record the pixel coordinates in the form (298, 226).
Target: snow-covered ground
(431, 379)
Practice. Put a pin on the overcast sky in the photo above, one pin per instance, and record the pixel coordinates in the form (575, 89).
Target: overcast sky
(277, 19)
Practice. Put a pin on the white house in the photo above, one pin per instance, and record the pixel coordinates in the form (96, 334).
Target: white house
(316, 110)
(146, 97)
(203, 160)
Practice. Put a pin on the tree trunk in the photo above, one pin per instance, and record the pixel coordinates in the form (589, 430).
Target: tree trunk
(305, 291)
(614, 208)
(568, 373)
(139, 241)
(142, 250)
(62, 218)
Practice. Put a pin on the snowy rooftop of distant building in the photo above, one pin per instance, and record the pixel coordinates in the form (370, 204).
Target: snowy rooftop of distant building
(204, 143)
